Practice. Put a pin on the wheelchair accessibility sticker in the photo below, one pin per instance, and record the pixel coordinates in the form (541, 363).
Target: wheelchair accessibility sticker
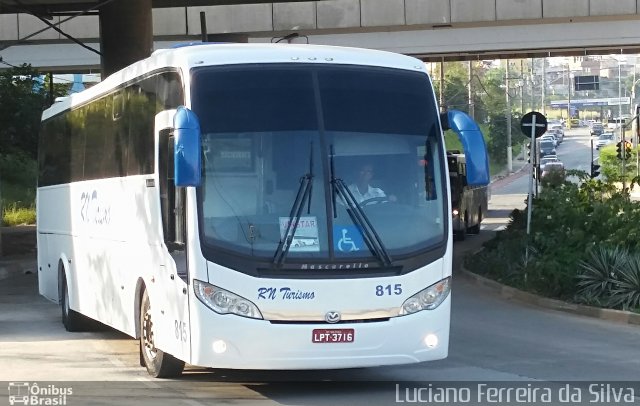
(347, 238)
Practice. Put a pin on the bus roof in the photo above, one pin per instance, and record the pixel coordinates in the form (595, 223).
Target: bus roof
(187, 57)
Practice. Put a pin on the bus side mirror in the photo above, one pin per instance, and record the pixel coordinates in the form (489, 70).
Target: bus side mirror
(187, 148)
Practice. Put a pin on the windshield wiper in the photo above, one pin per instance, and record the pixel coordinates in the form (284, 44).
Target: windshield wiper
(304, 194)
(358, 216)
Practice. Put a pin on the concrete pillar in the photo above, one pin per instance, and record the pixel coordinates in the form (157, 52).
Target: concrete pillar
(1, 222)
(126, 33)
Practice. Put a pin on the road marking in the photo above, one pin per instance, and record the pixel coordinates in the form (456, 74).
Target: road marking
(3, 274)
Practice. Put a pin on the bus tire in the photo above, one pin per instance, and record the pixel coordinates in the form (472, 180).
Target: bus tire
(72, 320)
(476, 229)
(159, 364)
(461, 234)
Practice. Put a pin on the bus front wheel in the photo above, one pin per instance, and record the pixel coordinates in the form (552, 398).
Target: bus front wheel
(159, 364)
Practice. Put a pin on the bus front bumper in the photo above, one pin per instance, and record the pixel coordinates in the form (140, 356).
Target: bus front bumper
(229, 341)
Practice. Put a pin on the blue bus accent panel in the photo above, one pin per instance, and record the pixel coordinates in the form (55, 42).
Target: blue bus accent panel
(475, 149)
(187, 151)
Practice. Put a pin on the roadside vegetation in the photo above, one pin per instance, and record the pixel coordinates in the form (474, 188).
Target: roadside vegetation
(23, 97)
(584, 244)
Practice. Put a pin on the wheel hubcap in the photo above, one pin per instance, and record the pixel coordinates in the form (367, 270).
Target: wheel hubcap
(147, 335)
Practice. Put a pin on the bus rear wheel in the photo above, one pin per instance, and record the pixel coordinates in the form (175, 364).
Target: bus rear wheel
(461, 234)
(159, 364)
(72, 320)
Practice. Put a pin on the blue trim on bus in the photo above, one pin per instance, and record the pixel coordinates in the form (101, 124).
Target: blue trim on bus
(187, 151)
(475, 148)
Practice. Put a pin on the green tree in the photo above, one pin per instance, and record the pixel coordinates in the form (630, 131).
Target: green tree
(21, 102)
(495, 104)
(23, 96)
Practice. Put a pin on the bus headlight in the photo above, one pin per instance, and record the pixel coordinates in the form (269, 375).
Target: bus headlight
(427, 299)
(455, 212)
(224, 302)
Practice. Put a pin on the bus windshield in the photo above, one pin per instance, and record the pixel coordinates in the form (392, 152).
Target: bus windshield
(279, 141)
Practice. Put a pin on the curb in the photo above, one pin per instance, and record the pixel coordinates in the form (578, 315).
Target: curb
(508, 292)
(507, 174)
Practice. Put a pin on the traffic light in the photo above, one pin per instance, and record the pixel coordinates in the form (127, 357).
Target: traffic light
(532, 153)
(627, 150)
(619, 150)
(595, 170)
(623, 150)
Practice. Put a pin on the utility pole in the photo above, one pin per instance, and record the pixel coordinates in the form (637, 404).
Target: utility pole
(544, 84)
(532, 77)
(508, 116)
(472, 108)
(624, 155)
(569, 97)
(632, 106)
(522, 81)
(442, 108)
(1, 223)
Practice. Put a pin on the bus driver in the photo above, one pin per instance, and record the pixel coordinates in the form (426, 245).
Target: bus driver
(361, 188)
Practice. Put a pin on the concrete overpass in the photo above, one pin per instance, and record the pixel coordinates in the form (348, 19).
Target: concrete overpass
(432, 30)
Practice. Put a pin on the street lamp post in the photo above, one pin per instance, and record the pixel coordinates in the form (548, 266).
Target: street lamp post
(569, 86)
(569, 101)
(619, 121)
(620, 101)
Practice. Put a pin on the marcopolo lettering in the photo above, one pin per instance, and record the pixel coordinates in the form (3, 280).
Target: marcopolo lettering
(323, 267)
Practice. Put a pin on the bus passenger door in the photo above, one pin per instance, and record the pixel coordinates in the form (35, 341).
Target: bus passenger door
(174, 273)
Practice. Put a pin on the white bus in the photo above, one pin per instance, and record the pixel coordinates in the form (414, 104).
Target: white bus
(200, 201)
(617, 122)
(469, 203)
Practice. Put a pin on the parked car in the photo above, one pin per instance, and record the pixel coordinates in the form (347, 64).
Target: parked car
(552, 167)
(550, 137)
(597, 129)
(558, 134)
(547, 147)
(605, 139)
(548, 159)
(558, 130)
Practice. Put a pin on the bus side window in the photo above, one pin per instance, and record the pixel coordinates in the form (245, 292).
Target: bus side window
(170, 94)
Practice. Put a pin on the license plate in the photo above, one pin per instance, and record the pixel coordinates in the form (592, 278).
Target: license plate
(334, 335)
